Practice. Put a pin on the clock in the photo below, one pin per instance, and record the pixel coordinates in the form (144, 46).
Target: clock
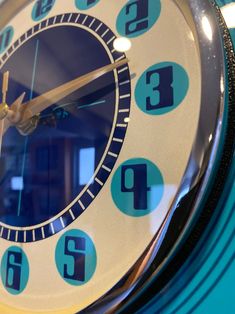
(116, 137)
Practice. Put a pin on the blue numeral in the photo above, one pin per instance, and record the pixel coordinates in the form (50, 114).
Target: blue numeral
(161, 88)
(138, 17)
(13, 272)
(43, 7)
(141, 20)
(89, 2)
(138, 186)
(164, 88)
(85, 4)
(5, 38)
(75, 257)
(75, 270)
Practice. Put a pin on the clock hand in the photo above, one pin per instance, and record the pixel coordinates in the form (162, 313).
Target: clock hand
(62, 112)
(70, 104)
(3, 106)
(13, 115)
(5, 86)
(42, 102)
(26, 139)
(8, 115)
(73, 107)
(1, 135)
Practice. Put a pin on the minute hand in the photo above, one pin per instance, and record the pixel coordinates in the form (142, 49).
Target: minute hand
(42, 102)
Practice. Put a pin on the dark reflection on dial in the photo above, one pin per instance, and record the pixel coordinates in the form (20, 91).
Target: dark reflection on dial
(43, 172)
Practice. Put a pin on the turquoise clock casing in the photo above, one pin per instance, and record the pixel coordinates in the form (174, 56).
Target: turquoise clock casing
(107, 152)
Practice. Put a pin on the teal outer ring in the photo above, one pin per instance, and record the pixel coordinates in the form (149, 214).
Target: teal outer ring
(211, 289)
(205, 283)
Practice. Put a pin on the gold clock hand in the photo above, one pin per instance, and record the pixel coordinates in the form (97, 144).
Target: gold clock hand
(1, 134)
(5, 86)
(3, 106)
(13, 116)
(8, 115)
(40, 103)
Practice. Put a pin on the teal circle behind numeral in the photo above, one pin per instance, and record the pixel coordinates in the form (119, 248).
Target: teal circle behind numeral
(5, 38)
(165, 95)
(85, 4)
(41, 9)
(138, 17)
(137, 187)
(14, 270)
(75, 258)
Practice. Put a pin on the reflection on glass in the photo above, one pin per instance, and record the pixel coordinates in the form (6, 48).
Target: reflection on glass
(207, 28)
(17, 183)
(86, 165)
(122, 44)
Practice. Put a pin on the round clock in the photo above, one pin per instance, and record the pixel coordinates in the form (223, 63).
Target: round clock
(116, 135)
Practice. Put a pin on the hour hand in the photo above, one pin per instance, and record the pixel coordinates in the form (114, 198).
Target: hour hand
(13, 116)
(29, 125)
(3, 105)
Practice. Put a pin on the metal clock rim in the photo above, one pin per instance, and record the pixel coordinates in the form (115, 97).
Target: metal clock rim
(203, 159)
(212, 205)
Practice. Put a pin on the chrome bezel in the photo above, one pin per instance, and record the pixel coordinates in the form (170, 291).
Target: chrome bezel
(201, 165)
(202, 161)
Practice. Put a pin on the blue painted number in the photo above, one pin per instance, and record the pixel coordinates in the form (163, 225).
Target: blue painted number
(5, 38)
(41, 9)
(89, 2)
(164, 89)
(85, 4)
(161, 88)
(75, 257)
(75, 270)
(13, 271)
(140, 22)
(137, 17)
(139, 186)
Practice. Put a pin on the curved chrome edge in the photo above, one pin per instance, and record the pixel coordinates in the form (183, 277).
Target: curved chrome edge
(201, 167)
(212, 55)
(203, 156)
(202, 163)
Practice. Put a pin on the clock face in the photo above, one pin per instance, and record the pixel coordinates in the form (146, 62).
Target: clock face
(85, 193)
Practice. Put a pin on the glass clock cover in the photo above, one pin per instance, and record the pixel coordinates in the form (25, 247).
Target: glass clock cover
(112, 119)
